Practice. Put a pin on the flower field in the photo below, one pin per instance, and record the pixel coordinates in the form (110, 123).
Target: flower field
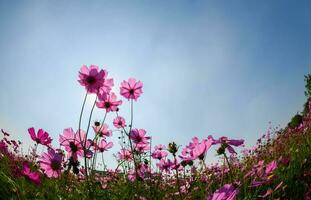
(277, 167)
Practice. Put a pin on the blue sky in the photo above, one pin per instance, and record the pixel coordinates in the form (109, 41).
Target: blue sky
(208, 67)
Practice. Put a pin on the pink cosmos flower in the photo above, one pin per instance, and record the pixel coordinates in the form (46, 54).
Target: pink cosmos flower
(262, 174)
(102, 130)
(159, 152)
(51, 163)
(125, 154)
(41, 137)
(229, 142)
(141, 147)
(227, 192)
(3, 147)
(196, 149)
(110, 103)
(142, 169)
(165, 165)
(138, 136)
(104, 146)
(31, 175)
(92, 78)
(73, 142)
(271, 167)
(119, 122)
(131, 89)
(106, 88)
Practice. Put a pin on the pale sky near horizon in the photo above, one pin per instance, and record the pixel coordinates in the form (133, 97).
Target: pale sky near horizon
(209, 67)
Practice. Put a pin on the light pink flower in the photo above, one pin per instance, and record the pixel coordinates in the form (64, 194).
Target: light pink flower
(196, 149)
(42, 137)
(159, 152)
(119, 122)
(73, 142)
(104, 146)
(106, 88)
(141, 147)
(102, 130)
(131, 89)
(92, 78)
(125, 154)
(31, 175)
(110, 103)
(51, 163)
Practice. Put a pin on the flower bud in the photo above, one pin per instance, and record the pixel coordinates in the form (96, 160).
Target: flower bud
(172, 148)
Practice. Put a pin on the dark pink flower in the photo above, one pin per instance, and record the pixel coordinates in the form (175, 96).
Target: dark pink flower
(119, 122)
(31, 175)
(3, 147)
(229, 142)
(51, 163)
(131, 89)
(227, 192)
(41, 137)
(110, 103)
(104, 146)
(138, 136)
(92, 78)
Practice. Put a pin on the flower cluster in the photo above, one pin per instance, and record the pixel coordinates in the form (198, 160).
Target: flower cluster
(158, 171)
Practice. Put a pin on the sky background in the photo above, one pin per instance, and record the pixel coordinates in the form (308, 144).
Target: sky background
(224, 68)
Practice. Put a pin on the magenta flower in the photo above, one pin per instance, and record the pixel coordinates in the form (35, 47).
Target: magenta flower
(110, 103)
(51, 163)
(165, 165)
(138, 136)
(159, 152)
(73, 142)
(227, 192)
(131, 89)
(41, 137)
(271, 167)
(125, 154)
(31, 175)
(104, 146)
(92, 78)
(119, 122)
(229, 142)
(102, 130)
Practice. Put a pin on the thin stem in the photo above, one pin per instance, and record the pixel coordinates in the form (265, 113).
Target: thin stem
(80, 118)
(85, 150)
(177, 178)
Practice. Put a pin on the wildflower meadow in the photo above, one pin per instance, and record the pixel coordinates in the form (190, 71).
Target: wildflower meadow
(277, 167)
